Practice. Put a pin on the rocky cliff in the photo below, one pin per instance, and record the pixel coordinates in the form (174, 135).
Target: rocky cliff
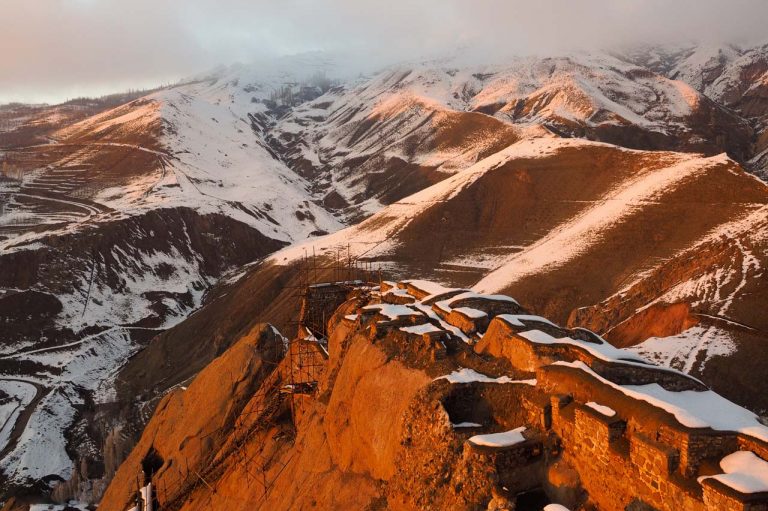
(411, 395)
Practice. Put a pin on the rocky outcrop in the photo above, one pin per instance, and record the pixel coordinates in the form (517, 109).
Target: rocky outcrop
(395, 408)
(657, 320)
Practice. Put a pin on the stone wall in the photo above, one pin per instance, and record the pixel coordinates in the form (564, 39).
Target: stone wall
(722, 498)
(696, 446)
(615, 470)
(655, 458)
(752, 444)
(503, 340)
(629, 374)
(640, 458)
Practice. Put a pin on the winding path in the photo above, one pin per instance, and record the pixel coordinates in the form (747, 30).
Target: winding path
(23, 418)
(76, 210)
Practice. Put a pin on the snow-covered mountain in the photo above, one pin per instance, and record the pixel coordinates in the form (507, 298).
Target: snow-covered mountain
(660, 251)
(112, 230)
(734, 77)
(566, 181)
(420, 122)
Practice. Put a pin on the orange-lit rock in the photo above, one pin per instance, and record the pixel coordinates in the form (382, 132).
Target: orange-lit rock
(377, 423)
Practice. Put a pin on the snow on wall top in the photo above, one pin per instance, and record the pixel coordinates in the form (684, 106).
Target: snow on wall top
(744, 472)
(504, 439)
(691, 408)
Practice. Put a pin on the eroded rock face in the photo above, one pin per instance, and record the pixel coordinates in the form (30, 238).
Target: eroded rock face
(364, 434)
(192, 421)
(658, 320)
(396, 408)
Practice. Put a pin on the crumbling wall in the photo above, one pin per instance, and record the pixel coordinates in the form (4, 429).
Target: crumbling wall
(502, 340)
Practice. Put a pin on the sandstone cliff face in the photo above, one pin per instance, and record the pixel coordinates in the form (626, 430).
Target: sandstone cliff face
(397, 406)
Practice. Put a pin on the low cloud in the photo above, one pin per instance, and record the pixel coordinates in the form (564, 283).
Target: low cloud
(54, 49)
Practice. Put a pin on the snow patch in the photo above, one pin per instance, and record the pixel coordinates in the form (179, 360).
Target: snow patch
(517, 319)
(505, 439)
(466, 375)
(425, 328)
(674, 351)
(392, 311)
(471, 313)
(744, 472)
(466, 425)
(601, 409)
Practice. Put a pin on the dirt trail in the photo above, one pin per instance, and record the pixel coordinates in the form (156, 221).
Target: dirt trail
(24, 416)
(85, 144)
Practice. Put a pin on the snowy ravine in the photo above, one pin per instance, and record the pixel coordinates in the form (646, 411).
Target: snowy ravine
(39, 451)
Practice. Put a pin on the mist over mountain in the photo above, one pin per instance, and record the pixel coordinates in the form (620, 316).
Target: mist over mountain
(70, 48)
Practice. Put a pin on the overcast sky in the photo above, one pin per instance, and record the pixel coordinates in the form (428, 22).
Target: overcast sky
(57, 49)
